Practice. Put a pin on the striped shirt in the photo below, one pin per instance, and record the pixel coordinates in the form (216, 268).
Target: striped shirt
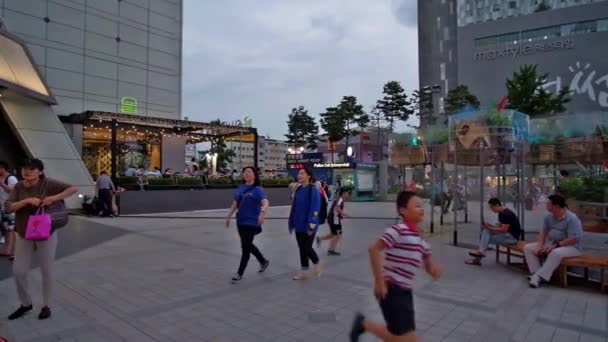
(404, 254)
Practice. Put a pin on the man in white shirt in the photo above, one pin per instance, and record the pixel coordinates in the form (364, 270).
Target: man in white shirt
(7, 221)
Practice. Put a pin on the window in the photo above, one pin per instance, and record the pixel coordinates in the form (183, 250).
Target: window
(510, 38)
(541, 34)
(512, 4)
(602, 25)
(585, 27)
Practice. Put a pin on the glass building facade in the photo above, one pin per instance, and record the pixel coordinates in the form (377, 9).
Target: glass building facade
(479, 11)
(119, 56)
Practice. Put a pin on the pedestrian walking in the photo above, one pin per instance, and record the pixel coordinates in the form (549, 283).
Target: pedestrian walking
(304, 220)
(7, 221)
(36, 191)
(105, 192)
(334, 219)
(251, 205)
(405, 250)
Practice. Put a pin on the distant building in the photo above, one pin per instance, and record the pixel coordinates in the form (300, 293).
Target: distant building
(370, 145)
(481, 43)
(271, 154)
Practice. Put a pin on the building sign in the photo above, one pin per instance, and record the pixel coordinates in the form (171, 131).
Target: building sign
(332, 165)
(523, 49)
(128, 105)
(303, 158)
(583, 80)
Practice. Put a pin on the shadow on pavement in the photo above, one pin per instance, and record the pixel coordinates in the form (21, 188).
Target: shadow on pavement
(78, 235)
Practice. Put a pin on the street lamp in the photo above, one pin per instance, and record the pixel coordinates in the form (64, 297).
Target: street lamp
(290, 150)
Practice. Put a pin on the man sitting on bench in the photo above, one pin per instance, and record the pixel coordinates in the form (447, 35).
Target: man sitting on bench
(506, 233)
(559, 238)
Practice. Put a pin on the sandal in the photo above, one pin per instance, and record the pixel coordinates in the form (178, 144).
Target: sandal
(477, 254)
(475, 262)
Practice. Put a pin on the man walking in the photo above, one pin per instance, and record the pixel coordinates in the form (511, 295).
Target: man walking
(105, 190)
(560, 238)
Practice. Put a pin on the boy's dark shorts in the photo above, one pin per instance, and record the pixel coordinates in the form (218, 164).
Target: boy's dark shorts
(335, 229)
(398, 310)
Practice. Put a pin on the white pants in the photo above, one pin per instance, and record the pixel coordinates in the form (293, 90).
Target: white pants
(45, 252)
(553, 259)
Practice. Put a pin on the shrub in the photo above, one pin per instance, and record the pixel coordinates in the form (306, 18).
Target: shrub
(189, 181)
(127, 180)
(219, 180)
(161, 181)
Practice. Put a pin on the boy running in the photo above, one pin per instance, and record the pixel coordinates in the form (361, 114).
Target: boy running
(334, 218)
(404, 252)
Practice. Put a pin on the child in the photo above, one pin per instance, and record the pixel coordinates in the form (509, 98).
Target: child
(334, 219)
(404, 252)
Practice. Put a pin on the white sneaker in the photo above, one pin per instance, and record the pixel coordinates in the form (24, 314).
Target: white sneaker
(534, 281)
(2, 240)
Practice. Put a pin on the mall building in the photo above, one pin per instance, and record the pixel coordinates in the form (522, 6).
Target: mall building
(480, 43)
(76, 74)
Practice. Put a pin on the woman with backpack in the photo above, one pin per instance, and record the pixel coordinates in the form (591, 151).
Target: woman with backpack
(304, 220)
(251, 206)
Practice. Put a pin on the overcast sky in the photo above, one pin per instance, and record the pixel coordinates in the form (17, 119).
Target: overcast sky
(261, 58)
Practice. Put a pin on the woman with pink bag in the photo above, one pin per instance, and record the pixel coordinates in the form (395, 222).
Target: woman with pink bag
(36, 196)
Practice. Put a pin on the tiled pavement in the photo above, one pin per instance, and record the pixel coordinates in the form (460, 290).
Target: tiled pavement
(168, 280)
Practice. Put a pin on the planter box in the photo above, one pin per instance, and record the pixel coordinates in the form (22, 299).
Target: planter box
(409, 155)
(594, 216)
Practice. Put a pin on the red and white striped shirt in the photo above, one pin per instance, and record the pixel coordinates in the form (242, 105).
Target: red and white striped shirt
(404, 254)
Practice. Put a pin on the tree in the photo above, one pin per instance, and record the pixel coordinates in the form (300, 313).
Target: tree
(340, 122)
(459, 98)
(218, 145)
(302, 129)
(394, 105)
(527, 94)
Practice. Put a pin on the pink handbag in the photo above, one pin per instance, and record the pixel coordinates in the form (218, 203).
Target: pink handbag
(38, 226)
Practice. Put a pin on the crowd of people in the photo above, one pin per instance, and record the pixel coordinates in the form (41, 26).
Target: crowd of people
(395, 256)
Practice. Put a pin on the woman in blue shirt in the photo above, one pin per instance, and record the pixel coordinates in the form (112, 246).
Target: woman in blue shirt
(304, 219)
(251, 205)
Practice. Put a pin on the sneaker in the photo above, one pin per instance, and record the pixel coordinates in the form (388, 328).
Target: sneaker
(333, 253)
(534, 281)
(264, 266)
(20, 312)
(44, 313)
(301, 276)
(357, 329)
(318, 270)
(237, 277)
(318, 242)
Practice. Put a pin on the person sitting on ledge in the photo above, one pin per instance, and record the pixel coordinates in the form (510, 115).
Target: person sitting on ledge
(507, 232)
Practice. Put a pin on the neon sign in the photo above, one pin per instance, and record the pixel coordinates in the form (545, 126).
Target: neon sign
(128, 105)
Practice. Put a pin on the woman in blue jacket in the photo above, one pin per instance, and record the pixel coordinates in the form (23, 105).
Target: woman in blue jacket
(251, 203)
(304, 219)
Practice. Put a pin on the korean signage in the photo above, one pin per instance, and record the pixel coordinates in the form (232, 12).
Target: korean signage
(523, 49)
(299, 160)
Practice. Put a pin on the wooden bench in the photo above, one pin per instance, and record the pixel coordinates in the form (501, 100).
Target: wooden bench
(586, 261)
(516, 250)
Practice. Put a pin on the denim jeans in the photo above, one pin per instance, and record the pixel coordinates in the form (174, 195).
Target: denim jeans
(497, 238)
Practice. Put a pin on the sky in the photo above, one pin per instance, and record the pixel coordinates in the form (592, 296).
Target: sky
(262, 58)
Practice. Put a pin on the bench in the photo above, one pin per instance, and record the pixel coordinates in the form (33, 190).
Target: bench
(585, 261)
(516, 250)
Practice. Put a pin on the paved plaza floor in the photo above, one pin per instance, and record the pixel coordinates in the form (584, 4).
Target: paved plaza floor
(168, 279)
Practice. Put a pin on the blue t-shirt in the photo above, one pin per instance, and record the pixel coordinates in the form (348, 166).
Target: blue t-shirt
(249, 199)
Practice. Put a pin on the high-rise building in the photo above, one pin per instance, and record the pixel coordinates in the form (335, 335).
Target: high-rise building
(480, 43)
(104, 55)
(117, 61)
